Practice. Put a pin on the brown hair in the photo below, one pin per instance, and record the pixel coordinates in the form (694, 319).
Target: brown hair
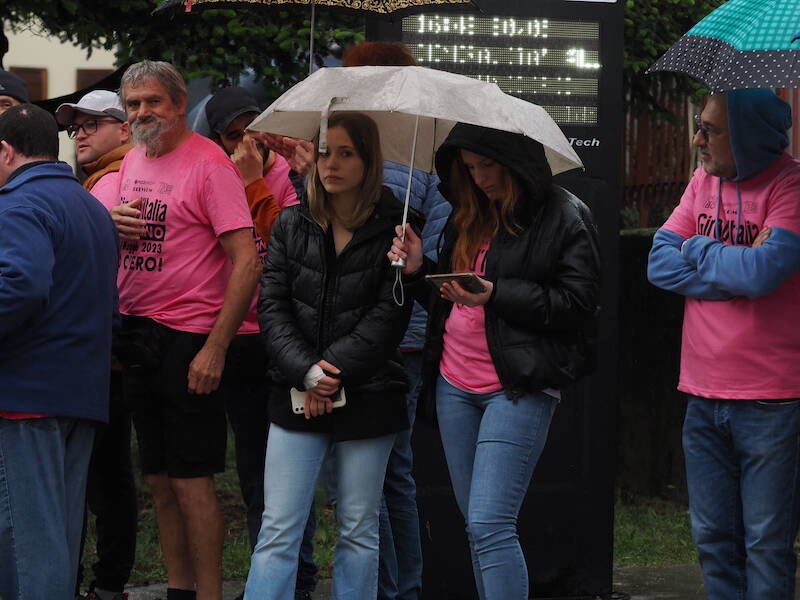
(366, 141)
(389, 54)
(477, 217)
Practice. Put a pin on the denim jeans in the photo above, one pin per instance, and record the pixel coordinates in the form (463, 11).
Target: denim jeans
(492, 445)
(400, 566)
(43, 467)
(743, 471)
(293, 463)
(246, 405)
(111, 497)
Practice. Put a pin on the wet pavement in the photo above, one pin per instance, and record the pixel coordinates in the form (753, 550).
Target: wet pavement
(640, 583)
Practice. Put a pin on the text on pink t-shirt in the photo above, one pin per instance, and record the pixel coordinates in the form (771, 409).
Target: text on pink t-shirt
(742, 348)
(177, 272)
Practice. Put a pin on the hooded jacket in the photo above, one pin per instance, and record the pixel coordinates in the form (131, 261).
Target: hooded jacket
(541, 316)
(316, 305)
(58, 270)
(739, 299)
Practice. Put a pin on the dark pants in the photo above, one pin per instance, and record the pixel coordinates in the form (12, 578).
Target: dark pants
(111, 496)
(246, 404)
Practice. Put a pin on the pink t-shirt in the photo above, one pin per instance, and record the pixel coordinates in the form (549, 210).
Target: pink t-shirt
(177, 272)
(277, 179)
(106, 189)
(742, 348)
(466, 362)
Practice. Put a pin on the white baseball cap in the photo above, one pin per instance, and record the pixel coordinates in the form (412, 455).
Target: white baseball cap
(98, 103)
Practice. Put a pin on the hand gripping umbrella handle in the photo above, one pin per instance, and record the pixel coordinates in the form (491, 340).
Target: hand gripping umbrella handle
(400, 263)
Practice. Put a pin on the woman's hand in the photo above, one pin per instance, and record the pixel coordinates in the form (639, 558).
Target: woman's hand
(452, 291)
(298, 153)
(409, 249)
(318, 400)
(316, 405)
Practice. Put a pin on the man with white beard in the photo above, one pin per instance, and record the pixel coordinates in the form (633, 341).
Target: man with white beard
(188, 271)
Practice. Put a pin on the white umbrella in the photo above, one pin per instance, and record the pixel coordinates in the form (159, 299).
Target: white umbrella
(399, 97)
(415, 108)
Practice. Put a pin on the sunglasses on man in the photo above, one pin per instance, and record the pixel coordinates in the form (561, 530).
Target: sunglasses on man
(704, 129)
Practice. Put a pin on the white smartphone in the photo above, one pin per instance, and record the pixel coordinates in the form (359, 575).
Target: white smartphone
(299, 400)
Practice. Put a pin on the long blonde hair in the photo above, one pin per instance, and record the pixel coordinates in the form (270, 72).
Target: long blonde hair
(476, 217)
(366, 141)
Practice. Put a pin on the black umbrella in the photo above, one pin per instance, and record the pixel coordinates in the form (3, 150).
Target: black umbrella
(387, 8)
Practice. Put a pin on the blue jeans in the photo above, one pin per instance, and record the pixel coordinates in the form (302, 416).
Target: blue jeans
(492, 446)
(246, 404)
(400, 572)
(743, 472)
(293, 463)
(43, 467)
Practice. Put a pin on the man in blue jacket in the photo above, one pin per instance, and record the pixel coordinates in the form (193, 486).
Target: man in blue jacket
(58, 267)
(732, 248)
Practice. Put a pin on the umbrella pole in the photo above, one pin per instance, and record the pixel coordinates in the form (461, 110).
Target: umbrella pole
(311, 41)
(401, 262)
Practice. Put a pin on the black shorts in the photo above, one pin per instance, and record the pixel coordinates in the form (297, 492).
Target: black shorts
(179, 433)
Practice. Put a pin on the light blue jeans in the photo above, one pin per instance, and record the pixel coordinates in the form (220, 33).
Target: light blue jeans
(743, 473)
(292, 466)
(492, 446)
(43, 468)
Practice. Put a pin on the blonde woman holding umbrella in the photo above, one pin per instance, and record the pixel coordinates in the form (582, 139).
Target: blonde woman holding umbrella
(495, 361)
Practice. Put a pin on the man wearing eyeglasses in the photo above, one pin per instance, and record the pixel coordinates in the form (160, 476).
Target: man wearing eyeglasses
(99, 126)
(102, 137)
(732, 247)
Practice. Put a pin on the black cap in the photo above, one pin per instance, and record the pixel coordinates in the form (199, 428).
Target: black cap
(12, 85)
(226, 104)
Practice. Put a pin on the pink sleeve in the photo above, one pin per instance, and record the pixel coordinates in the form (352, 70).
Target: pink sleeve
(224, 200)
(783, 207)
(107, 190)
(682, 219)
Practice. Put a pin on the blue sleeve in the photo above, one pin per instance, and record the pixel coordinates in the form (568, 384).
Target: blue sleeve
(669, 270)
(26, 267)
(436, 210)
(745, 271)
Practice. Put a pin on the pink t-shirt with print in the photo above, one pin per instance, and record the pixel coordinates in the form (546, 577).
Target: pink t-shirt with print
(176, 274)
(466, 362)
(277, 178)
(742, 348)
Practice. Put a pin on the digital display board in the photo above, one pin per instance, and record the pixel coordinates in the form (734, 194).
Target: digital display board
(554, 63)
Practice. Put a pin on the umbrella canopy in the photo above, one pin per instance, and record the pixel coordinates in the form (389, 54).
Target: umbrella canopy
(391, 8)
(741, 44)
(364, 6)
(399, 98)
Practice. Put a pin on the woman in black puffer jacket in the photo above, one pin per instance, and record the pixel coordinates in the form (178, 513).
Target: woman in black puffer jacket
(332, 330)
(494, 362)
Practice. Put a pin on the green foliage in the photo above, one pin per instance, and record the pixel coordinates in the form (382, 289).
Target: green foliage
(651, 27)
(215, 43)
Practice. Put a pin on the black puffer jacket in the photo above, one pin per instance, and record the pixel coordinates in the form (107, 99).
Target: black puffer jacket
(540, 320)
(314, 305)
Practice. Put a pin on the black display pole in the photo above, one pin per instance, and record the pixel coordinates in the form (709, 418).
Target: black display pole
(565, 55)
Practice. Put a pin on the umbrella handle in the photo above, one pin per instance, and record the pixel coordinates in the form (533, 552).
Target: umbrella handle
(400, 263)
(322, 148)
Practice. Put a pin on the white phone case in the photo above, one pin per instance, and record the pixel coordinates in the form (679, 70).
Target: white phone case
(299, 400)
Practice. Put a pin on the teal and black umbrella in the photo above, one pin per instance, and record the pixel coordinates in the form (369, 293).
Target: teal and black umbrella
(741, 44)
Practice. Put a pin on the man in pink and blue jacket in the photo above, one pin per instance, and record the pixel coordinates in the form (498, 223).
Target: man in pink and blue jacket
(732, 247)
